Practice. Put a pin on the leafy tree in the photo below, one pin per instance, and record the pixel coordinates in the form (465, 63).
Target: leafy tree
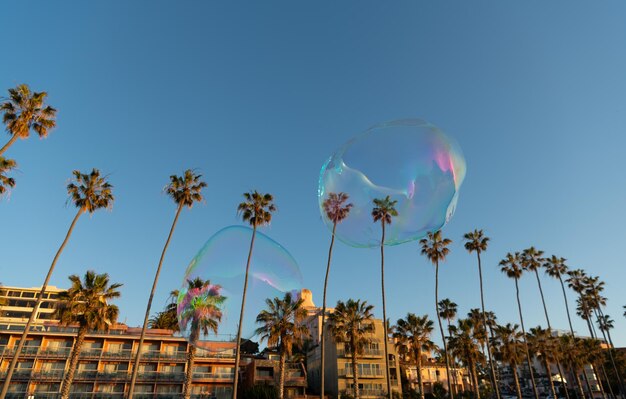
(384, 210)
(86, 303)
(435, 248)
(352, 324)
(336, 210)
(282, 326)
(24, 111)
(88, 192)
(185, 191)
(257, 210)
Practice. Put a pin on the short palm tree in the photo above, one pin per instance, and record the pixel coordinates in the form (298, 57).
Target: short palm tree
(477, 241)
(571, 353)
(257, 210)
(384, 210)
(447, 310)
(352, 324)
(167, 318)
(512, 267)
(542, 345)
(200, 311)
(413, 333)
(25, 110)
(282, 326)
(86, 303)
(435, 248)
(6, 182)
(465, 347)
(509, 348)
(88, 192)
(185, 190)
(336, 211)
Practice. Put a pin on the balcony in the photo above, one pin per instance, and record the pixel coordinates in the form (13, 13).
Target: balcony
(161, 376)
(214, 376)
(365, 374)
(369, 393)
(366, 353)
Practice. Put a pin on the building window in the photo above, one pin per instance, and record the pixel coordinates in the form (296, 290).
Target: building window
(265, 372)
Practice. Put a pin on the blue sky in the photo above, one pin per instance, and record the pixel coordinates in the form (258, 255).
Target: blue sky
(257, 95)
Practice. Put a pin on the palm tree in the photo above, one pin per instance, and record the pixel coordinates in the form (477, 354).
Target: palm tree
(531, 261)
(86, 303)
(570, 349)
(463, 346)
(24, 111)
(199, 312)
(512, 266)
(257, 210)
(88, 192)
(282, 326)
(476, 241)
(413, 333)
(352, 323)
(556, 267)
(336, 210)
(168, 317)
(435, 248)
(383, 211)
(6, 183)
(185, 191)
(542, 345)
(447, 310)
(509, 348)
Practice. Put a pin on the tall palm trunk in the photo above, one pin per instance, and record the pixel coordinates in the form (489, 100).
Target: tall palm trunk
(569, 318)
(8, 144)
(281, 375)
(133, 379)
(455, 382)
(355, 369)
(20, 345)
(418, 362)
(382, 283)
(494, 380)
(191, 358)
(579, 383)
(546, 364)
(563, 383)
(243, 304)
(69, 375)
(475, 377)
(516, 379)
(323, 359)
(545, 311)
(528, 360)
(443, 337)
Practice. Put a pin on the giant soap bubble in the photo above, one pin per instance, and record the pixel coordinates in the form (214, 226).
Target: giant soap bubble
(413, 162)
(222, 261)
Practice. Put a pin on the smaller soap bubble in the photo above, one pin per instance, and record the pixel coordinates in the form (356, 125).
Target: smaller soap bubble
(209, 299)
(413, 162)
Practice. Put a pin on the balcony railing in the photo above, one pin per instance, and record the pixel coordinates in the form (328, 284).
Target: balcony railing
(368, 393)
(366, 353)
(365, 373)
(216, 376)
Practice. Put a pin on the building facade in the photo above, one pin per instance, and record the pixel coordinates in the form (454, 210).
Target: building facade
(338, 367)
(106, 359)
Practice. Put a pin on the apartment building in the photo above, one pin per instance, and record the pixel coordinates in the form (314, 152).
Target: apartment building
(435, 372)
(338, 367)
(264, 370)
(19, 303)
(105, 365)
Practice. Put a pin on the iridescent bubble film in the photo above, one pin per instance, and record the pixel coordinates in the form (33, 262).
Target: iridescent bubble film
(410, 160)
(222, 262)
